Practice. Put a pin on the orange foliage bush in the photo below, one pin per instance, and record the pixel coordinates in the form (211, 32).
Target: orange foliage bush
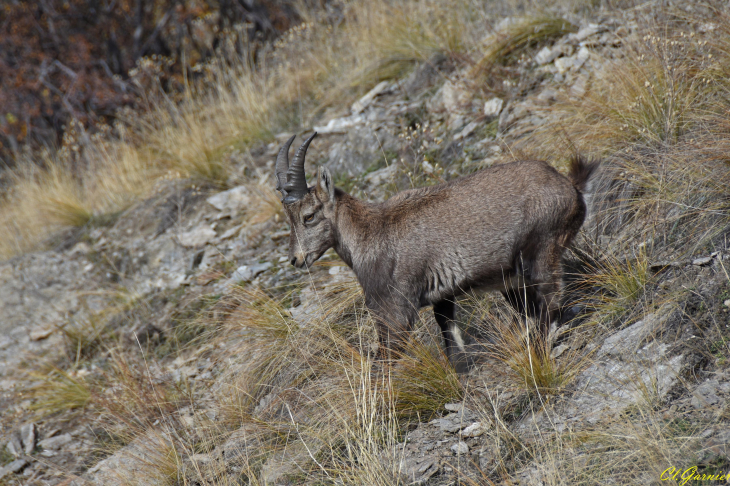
(81, 59)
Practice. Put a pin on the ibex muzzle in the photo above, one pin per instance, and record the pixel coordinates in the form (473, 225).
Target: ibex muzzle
(503, 228)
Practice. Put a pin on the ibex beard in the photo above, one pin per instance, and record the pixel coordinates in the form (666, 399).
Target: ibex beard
(504, 228)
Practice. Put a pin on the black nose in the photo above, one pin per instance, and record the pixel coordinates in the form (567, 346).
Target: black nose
(294, 261)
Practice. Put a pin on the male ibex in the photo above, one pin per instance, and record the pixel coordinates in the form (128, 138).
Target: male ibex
(502, 228)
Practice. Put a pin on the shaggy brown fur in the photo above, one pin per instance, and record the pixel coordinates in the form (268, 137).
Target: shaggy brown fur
(503, 228)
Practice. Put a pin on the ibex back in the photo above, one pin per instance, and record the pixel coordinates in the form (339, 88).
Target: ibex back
(502, 228)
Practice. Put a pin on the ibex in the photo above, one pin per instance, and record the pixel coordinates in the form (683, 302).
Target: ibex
(502, 228)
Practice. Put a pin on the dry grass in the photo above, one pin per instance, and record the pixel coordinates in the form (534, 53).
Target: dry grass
(265, 204)
(70, 191)
(308, 383)
(511, 340)
(423, 381)
(86, 336)
(614, 286)
(653, 94)
(59, 391)
(517, 38)
(133, 396)
(399, 36)
(262, 332)
(635, 450)
(230, 108)
(315, 382)
(652, 113)
(369, 454)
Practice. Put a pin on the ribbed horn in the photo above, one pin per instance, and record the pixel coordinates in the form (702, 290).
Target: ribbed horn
(296, 181)
(282, 165)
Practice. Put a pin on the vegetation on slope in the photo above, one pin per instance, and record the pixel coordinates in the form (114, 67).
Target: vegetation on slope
(305, 389)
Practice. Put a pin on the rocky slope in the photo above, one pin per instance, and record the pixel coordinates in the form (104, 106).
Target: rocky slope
(640, 390)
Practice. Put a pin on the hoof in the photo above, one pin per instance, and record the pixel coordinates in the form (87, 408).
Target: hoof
(462, 363)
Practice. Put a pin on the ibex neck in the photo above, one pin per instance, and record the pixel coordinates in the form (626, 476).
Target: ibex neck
(356, 223)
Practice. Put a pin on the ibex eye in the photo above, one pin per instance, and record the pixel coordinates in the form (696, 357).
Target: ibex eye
(309, 218)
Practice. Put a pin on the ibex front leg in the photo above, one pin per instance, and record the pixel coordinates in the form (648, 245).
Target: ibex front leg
(394, 319)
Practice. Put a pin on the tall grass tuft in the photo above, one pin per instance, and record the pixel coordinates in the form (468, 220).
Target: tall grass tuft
(422, 381)
(518, 37)
(615, 285)
(652, 114)
(59, 391)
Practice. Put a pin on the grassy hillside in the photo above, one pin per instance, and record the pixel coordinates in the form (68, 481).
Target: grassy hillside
(156, 334)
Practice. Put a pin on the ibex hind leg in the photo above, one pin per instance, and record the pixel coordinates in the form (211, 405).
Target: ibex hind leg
(445, 311)
(522, 299)
(547, 283)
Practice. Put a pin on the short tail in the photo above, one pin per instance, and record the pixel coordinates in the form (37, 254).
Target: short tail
(580, 171)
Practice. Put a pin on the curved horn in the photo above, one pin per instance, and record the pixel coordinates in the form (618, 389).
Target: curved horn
(296, 185)
(282, 165)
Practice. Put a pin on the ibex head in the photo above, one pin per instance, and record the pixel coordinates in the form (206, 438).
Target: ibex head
(311, 210)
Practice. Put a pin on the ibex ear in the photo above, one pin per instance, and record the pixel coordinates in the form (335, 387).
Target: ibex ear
(325, 186)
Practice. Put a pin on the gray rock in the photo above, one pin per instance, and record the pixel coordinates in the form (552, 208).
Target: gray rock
(614, 385)
(447, 425)
(467, 130)
(418, 470)
(486, 460)
(363, 102)
(572, 63)
(587, 31)
(547, 95)
(288, 462)
(705, 395)
(583, 55)
(460, 448)
(197, 237)
(463, 414)
(249, 272)
(558, 350)
(231, 232)
(454, 407)
(55, 443)
(455, 121)
(453, 97)
(129, 465)
(627, 341)
(13, 468)
(512, 113)
(474, 430)
(381, 176)
(5, 341)
(232, 200)
(546, 55)
(201, 459)
(564, 64)
(340, 125)
(493, 107)
(701, 262)
(28, 437)
(41, 333)
(15, 445)
(358, 150)
(579, 88)
(242, 446)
